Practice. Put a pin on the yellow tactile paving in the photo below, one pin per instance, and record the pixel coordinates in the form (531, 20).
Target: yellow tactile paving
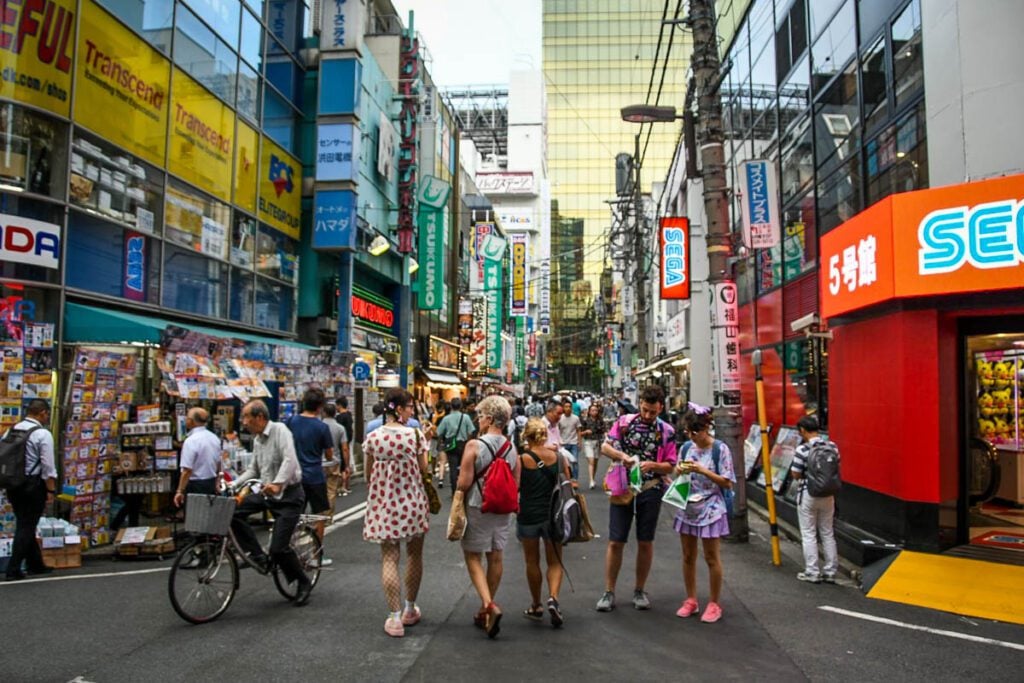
(954, 584)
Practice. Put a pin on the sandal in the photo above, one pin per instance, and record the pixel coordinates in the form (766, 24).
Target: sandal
(534, 612)
(493, 623)
(480, 618)
(556, 612)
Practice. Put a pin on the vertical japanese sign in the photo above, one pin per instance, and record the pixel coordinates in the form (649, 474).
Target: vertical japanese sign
(465, 323)
(493, 251)
(478, 346)
(520, 274)
(341, 24)
(760, 204)
(408, 130)
(337, 151)
(387, 143)
(725, 331)
(334, 220)
(520, 371)
(674, 242)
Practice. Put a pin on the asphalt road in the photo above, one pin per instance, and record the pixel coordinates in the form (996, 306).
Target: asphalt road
(122, 628)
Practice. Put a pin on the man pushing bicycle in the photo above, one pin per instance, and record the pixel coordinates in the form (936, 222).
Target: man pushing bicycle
(275, 464)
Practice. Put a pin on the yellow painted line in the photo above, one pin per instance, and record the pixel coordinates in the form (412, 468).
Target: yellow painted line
(954, 584)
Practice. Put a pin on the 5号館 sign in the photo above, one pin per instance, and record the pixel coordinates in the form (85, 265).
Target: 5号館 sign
(947, 240)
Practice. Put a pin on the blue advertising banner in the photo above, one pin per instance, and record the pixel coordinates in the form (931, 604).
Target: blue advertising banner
(334, 220)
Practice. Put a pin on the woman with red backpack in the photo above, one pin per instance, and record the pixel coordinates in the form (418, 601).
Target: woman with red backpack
(489, 478)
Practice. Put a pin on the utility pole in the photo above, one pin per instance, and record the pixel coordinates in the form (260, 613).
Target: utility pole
(710, 138)
(639, 251)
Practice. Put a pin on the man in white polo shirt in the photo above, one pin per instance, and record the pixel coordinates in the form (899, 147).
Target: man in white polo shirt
(200, 457)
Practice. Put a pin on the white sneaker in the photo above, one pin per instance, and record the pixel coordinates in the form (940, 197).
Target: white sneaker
(326, 562)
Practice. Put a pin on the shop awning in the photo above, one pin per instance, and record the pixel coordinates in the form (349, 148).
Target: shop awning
(675, 357)
(88, 324)
(441, 377)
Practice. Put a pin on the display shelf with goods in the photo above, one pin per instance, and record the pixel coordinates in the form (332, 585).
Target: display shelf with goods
(196, 221)
(999, 413)
(33, 154)
(115, 185)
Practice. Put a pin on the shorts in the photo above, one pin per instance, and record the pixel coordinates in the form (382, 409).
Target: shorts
(316, 497)
(485, 532)
(647, 506)
(540, 530)
(591, 449)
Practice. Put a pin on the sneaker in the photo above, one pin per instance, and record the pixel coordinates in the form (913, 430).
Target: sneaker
(607, 602)
(411, 618)
(640, 600)
(326, 562)
(592, 486)
(556, 613)
(712, 613)
(689, 608)
(394, 628)
(829, 578)
(809, 578)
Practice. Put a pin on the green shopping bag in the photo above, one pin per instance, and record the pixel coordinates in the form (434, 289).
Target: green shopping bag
(635, 479)
(678, 491)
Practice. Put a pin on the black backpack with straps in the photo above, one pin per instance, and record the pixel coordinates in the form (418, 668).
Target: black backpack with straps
(13, 456)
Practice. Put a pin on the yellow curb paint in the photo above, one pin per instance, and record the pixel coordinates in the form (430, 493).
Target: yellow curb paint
(954, 584)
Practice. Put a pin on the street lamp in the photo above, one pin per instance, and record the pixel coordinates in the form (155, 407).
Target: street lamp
(379, 245)
(648, 113)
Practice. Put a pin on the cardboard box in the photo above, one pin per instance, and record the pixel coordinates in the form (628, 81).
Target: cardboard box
(161, 544)
(156, 540)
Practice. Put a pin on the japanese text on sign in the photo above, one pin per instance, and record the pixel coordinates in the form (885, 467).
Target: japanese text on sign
(726, 332)
(760, 204)
(858, 267)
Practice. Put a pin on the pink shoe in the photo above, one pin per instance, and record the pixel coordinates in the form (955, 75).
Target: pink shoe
(393, 627)
(712, 613)
(689, 608)
(411, 618)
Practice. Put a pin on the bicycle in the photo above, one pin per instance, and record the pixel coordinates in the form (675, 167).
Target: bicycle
(204, 576)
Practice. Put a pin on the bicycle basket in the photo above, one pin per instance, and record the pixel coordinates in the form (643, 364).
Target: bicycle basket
(208, 514)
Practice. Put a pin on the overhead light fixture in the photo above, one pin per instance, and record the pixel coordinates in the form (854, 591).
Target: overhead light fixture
(379, 245)
(413, 265)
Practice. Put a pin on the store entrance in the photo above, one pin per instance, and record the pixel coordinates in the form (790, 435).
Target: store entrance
(992, 465)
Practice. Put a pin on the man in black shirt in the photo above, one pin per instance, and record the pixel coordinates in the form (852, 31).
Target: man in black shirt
(344, 418)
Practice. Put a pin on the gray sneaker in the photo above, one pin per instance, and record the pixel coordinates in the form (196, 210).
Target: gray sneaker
(828, 578)
(607, 602)
(640, 600)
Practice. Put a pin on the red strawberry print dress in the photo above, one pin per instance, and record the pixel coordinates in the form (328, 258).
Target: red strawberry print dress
(397, 508)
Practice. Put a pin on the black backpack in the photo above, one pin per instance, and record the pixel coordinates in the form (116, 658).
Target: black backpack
(566, 518)
(12, 459)
(822, 470)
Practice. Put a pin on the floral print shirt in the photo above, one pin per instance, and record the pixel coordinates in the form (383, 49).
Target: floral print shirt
(713, 505)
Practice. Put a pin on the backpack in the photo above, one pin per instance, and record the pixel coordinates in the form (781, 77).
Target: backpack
(822, 469)
(12, 459)
(566, 518)
(716, 458)
(499, 493)
(455, 446)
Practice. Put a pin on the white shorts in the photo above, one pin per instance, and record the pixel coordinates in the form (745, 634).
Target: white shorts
(590, 449)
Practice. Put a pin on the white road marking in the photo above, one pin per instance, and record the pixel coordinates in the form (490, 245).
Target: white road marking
(341, 519)
(926, 629)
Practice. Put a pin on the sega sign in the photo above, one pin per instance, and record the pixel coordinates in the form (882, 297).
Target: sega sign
(24, 240)
(985, 236)
(675, 258)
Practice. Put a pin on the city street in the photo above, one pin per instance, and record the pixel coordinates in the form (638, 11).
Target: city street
(111, 621)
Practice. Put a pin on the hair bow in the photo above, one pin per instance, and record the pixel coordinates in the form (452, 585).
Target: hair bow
(697, 408)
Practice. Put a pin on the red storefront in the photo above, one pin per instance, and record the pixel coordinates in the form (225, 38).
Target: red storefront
(924, 295)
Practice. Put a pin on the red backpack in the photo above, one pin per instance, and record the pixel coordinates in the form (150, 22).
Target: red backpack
(499, 491)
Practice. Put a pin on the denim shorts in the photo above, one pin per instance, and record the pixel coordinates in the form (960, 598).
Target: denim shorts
(645, 507)
(541, 530)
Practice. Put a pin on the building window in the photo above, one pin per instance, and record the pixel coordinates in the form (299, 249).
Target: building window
(907, 60)
(196, 221)
(277, 255)
(108, 181)
(875, 90)
(221, 15)
(194, 283)
(897, 160)
(769, 268)
(837, 122)
(33, 152)
(248, 93)
(108, 259)
(839, 195)
(835, 47)
(279, 119)
(797, 159)
(275, 305)
(799, 237)
(243, 240)
(152, 19)
(250, 47)
(241, 296)
(285, 75)
(12, 204)
(206, 57)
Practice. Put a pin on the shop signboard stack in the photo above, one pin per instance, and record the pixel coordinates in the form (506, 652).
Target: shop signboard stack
(101, 392)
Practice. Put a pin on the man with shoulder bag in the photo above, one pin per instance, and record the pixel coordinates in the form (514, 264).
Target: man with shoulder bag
(816, 465)
(453, 433)
(28, 474)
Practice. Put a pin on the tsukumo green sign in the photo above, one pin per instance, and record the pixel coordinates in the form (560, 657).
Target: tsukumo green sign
(494, 284)
(433, 228)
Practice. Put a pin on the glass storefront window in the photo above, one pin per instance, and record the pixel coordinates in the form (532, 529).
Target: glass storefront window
(275, 305)
(836, 45)
(839, 195)
(33, 152)
(248, 93)
(243, 240)
(251, 44)
(897, 160)
(152, 19)
(221, 15)
(907, 60)
(108, 259)
(797, 159)
(196, 221)
(277, 255)
(795, 93)
(194, 283)
(875, 91)
(240, 306)
(206, 57)
(112, 183)
(26, 207)
(837, 122)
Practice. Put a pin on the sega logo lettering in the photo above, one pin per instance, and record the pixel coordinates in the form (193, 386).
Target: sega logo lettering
(985, 236)
(674, 257)
(280, 174)
(29, 241)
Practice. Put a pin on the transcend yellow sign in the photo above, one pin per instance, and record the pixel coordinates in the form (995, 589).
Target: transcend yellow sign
(121, 85)
(202, 137)
(246, 167)
(280, 199)
(37, 43)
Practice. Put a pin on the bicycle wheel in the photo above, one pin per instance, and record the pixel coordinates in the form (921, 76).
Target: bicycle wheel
(203, 581)
(307, 546)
